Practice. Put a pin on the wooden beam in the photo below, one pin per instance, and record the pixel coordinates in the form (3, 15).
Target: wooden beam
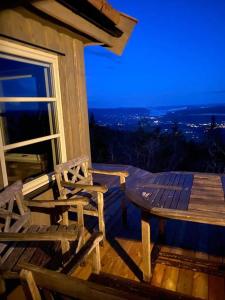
(213, 218)
(116, 44)
(92, 188)
(109, 172)
(65, 15)
(52, 203)
(37, 236)
(138, 289)
(73, 287)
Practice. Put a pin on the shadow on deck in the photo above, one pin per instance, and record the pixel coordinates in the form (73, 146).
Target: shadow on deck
(122, 253)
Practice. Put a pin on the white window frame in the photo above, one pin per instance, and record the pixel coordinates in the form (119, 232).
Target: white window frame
(43, 57)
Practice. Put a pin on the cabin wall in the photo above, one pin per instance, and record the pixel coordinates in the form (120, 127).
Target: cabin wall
(25, 27)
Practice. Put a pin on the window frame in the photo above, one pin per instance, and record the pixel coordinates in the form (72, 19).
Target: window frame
(21, 52)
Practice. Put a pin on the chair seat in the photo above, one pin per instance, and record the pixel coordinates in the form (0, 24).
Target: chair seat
(46, 254)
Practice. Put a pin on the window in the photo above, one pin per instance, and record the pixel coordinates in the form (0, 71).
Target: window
(31, 135)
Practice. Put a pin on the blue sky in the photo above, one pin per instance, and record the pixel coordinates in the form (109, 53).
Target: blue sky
(175, 56)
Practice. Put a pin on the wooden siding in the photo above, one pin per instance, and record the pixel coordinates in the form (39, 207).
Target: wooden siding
(28, 28)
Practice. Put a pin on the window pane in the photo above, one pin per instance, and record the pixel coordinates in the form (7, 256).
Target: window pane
(23, 79)
(29, 162)
(23, 121)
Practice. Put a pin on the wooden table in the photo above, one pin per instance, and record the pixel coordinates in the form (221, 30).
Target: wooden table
(195, 197)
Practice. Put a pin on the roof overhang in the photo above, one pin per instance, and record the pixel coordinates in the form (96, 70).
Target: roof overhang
(95, 19)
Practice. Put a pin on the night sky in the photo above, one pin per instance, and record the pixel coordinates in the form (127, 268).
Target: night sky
(176, 56)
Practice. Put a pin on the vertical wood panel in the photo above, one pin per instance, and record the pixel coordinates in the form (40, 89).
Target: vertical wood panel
(82, 96)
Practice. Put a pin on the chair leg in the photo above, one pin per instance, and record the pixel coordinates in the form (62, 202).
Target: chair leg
(123, 202)
(29, 286)
(124, 211)
(65, 218)
(80, 221)
(96, 260)
(80, 215)
(2, 286)
(65, 246)
(101, 221)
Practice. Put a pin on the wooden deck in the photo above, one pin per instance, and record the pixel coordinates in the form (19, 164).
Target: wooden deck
(122, 252)
(122, 256)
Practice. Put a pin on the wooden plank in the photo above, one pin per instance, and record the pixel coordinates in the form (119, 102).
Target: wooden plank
(170, 278)
(75, 287)
(43, 250)
(137, 289)
(42, 236)
(195, 264)
(160, 179)
(30, 250)
(216, 288)
(185, 281)
(65, 15)
(171, 195)
(167, 198)
(214, 218)
(200, 285)
(185, 194)
(176, 196)
(158, 274)
(17, 250)
(202, 207)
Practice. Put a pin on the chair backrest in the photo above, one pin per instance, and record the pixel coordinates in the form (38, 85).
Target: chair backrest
(74, 171)
(12, 213)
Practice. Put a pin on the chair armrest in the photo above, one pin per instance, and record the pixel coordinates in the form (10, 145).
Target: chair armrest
(38, 236)
(53, 203)
(108, 172)
(88, 247)
(87, 187)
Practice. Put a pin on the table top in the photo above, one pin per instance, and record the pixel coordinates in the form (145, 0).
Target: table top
(197, 197)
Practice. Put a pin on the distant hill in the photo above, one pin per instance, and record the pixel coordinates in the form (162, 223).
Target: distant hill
(197, 114)
(129, 118)
(119, 110)
(122, 118)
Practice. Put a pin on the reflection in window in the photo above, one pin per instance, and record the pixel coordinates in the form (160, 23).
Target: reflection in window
(24, 121)
(28, 162)
(22, 79)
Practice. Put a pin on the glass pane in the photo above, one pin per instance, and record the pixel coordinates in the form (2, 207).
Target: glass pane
(23, 121)
(24, 79)
(29, 162)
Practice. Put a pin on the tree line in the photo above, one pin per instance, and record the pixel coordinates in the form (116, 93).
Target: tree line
(157, 151)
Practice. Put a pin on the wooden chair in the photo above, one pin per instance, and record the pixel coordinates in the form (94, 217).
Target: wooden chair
(74, 178)
(56, 247)
(40, 283)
